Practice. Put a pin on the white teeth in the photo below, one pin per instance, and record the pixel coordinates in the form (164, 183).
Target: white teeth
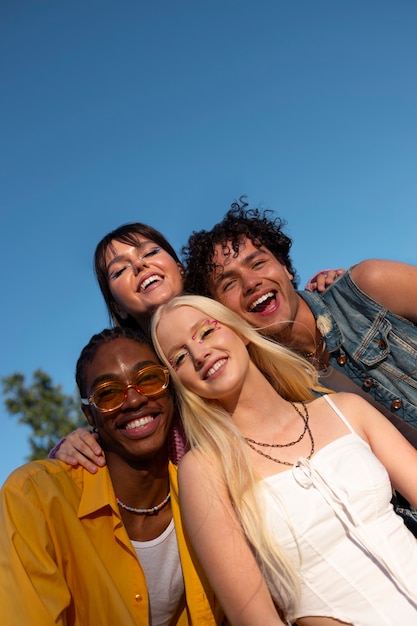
(215, 367)
(149, 281)
(261, 299)
(139, 422)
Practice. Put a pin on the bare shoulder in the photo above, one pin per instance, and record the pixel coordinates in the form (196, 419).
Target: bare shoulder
(346, 400)
(372, 273)
(191, 460)
(188, 464)
(203, 492)
(355, 408)
(389, 283)
(196, 466)
(363, 416)
(343, 400)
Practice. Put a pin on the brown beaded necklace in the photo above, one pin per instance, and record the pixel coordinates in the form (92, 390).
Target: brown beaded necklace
(252, 443)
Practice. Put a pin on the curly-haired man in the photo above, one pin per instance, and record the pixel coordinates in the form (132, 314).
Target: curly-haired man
(361, 332)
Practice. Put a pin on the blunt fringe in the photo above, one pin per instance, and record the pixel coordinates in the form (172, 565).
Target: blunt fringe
(128, 234)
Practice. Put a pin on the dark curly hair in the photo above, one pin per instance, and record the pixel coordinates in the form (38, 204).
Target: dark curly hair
(239, 222)
(127, 233)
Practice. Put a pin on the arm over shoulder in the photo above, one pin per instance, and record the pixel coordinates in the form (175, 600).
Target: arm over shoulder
(391, 283)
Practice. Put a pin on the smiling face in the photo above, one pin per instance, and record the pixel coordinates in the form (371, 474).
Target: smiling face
(256, 286)
(139, 428)
(141, 277)
(209, 358)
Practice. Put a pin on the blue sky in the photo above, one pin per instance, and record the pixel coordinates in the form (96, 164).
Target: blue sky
(165, 112)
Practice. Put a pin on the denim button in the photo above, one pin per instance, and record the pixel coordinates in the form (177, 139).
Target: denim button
(342, 359)
(367, 383)
(396, 404)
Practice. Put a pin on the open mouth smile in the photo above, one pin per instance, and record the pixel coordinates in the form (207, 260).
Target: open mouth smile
(151, 280)
(263, 303)
(218, 364)
(139, 423)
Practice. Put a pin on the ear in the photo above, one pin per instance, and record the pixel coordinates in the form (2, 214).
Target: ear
(88, 414)
(182, 270)
(290, 276)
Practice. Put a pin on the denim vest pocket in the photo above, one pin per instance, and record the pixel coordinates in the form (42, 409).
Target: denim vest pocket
(375, 345)
(392, 350)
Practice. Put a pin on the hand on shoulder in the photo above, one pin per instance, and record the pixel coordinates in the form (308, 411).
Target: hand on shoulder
(80, 448)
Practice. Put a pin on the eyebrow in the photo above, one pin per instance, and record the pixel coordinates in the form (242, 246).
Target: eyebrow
(123, 257)
(229, 273)
(113, 377)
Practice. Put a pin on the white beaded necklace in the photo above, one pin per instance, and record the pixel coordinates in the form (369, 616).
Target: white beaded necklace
(152, 511)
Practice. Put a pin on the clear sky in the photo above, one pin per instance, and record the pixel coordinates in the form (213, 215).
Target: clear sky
(165, 112)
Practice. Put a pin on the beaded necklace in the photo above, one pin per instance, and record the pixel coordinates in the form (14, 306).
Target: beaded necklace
(251, 442)
(152, 511)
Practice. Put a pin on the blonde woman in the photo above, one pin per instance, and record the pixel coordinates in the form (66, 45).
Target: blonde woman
(286, 495)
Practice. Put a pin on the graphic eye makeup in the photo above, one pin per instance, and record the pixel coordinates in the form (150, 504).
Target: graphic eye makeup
(205, 330)
(114, 275)
(118, 270)
(178, 358)
(151, 252)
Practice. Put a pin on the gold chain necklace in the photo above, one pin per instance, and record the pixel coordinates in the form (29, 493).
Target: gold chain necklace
(251, 442)
(152, 511)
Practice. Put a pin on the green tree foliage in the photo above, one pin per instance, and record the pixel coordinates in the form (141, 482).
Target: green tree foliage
(43, 407)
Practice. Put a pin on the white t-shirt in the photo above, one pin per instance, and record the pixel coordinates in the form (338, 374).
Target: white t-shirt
(161, 564)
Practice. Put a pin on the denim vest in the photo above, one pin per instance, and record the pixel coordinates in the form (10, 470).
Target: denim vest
(374, 347)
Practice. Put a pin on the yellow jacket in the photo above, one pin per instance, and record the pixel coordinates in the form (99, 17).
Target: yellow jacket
(66, 559)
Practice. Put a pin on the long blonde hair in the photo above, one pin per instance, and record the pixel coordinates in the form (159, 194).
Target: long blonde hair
(205, 426)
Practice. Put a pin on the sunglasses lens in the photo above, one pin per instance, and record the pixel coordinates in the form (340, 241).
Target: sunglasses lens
(151, 381)
(109, 396)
